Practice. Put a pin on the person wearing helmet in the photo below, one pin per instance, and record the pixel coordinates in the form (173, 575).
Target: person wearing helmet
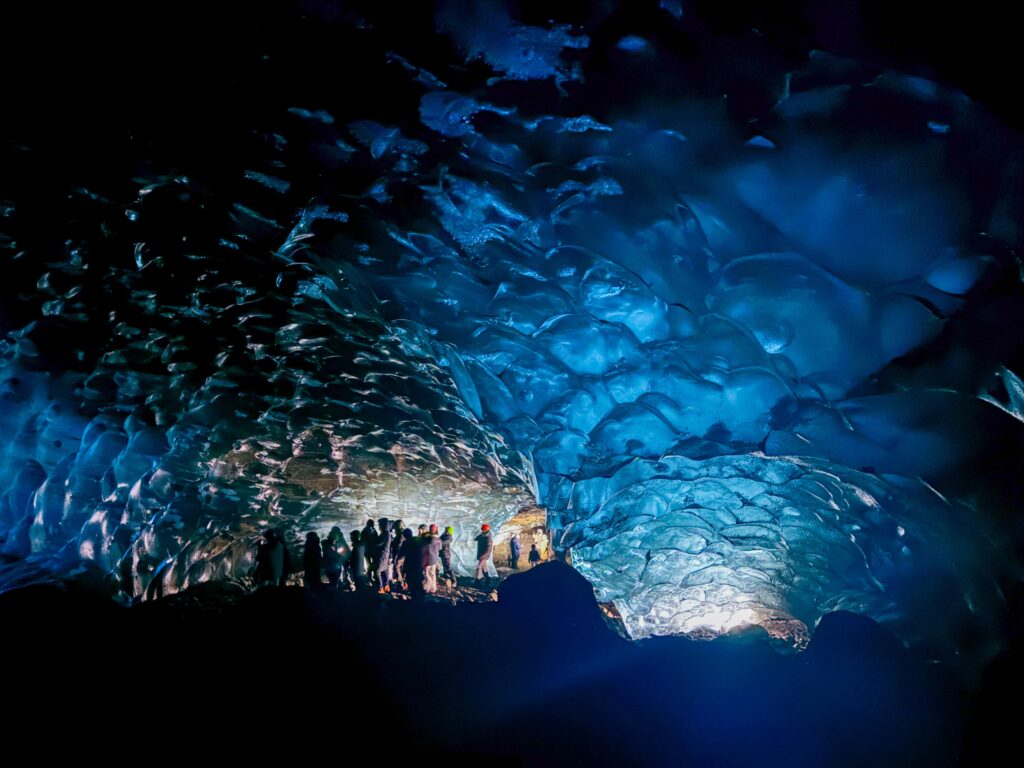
(446, 556)
(484, 549)
(432, 552)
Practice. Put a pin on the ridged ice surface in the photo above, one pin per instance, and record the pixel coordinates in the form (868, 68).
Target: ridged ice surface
(672, 328)
(229, 394)
(694, 546)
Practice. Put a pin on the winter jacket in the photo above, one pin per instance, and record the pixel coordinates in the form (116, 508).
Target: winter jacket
(484, 544)
(396, 545)
(446, 549)
(433, 546)
(412, 551)
(383, 552)
(369, 539)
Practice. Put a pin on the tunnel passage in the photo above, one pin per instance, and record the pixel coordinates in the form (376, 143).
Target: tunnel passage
(736, 357)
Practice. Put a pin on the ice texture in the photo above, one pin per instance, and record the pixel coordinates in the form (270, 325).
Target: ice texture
(686, 336)
(704, 546)
(234, 393)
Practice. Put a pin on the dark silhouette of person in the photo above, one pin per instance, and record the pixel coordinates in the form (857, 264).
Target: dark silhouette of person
(484, 549)
(369, 540)
(356, 566)
(446, 556)
(333, 561)
(515, 549)
(413, 563)
(312, 560)
(269, 559)
(400, 571)
(534, 555)
(382, 558)
(396, 543)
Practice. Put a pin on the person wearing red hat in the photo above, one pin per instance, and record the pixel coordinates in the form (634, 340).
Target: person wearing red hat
(432, 548)
(484, 549)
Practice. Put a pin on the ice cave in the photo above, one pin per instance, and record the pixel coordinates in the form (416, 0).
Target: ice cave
(740, 317)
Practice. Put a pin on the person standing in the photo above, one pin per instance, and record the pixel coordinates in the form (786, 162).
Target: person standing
(382, 559)
(368, 538)
(400, 550)
(412, 559)
(356, 567)
(484, 549)
(270, 554)
(534, 556)
(515, 549)
(312, 560)
(332, 559)
(446, 556)
(396, 544)
(433, 555)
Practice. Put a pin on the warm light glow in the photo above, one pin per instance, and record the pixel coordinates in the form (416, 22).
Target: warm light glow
(723, 621)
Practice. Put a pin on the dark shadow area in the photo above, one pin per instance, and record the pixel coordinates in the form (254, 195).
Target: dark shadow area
(534, 679)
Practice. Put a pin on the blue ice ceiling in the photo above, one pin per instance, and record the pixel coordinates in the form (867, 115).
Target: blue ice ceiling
(736, 360)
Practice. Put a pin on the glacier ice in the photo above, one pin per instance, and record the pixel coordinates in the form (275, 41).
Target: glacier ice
(687, 545)
(685, 335)
(270, 397)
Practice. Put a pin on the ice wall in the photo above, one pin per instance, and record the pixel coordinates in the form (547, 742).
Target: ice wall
(227, 390)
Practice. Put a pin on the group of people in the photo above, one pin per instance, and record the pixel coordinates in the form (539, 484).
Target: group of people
(387, 555)
(384, 555)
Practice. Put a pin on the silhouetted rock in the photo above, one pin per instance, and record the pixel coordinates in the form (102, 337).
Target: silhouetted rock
(842, 634)
(552, 595)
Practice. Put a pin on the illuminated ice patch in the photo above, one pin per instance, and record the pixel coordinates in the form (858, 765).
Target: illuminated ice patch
(707, 546)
